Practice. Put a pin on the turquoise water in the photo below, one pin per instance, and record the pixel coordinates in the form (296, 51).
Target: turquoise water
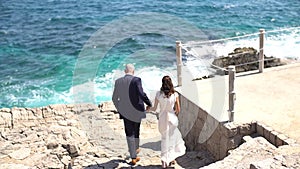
(41, 41)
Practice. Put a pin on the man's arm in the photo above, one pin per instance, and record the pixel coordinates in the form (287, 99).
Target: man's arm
(141, 92)
(115, 97)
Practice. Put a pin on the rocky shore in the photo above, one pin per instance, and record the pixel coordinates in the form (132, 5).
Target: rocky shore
(89, 136)
(77, 136)
(246, 59)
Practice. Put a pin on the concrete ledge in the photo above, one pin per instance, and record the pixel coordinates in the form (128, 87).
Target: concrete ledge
(274, 137)
(201, 131)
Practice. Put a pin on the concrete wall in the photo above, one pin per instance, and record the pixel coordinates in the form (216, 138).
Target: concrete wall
(201, 131)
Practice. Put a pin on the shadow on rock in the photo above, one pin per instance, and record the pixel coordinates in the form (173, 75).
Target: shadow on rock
(146, 167)
(116, 164)
(195, 159)
(152, 145)
(108, 165)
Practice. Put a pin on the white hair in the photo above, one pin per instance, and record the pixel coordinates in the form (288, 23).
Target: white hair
(129, 68)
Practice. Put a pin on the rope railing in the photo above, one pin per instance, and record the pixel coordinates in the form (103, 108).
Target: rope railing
(242, 64)
(248, 63)
(194, 53)
(230, 69)
(225, 69)
(218, 67)
(219, 40)
(285, 29)
(195, 44)
(189, 47)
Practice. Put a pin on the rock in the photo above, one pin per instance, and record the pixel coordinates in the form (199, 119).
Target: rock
(2, 155)
(72, 150)
(204, 77)
(52, 145)
(72, 122)
(62, 123)
(5, 118)
(36, 159)
(262, 164)
(107, 107)
(20, 154)
(58, 109)
(90, 139)
(66, 160)
(53, 162)
(36, 112)
(6, 110)
(14, 166)
(279, 161)
(241, 56)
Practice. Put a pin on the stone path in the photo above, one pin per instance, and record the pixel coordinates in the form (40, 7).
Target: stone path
(106, 131)
(78, 137)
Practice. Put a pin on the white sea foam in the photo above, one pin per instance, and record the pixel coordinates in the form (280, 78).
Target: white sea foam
(282, 45)
(101, 89)
(151, 79)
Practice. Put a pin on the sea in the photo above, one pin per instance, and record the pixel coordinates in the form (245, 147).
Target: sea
(71, 51)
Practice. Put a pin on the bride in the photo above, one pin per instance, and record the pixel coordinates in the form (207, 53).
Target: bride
(172, 144)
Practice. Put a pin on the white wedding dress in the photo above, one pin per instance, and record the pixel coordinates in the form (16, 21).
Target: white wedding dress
(172, 144)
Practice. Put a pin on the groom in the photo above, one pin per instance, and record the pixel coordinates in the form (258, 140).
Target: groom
(129, 98)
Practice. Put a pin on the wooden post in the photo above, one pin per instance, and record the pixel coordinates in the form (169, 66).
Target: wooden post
(179, 62)
(261, 50)
(231, 73)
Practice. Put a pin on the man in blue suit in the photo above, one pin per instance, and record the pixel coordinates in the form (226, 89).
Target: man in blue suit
(129, 98)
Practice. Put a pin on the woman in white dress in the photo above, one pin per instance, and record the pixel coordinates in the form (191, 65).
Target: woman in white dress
(172, 144)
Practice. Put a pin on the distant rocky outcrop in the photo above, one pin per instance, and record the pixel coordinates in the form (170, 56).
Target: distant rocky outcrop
(241, 56)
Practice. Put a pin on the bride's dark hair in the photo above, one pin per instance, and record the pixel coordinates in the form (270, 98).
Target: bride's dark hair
(167, 86)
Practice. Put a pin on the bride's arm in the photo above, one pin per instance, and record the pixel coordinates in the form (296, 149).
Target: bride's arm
(155, 105)
(177, 106)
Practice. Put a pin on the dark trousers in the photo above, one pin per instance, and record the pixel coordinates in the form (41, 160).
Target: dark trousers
(131, 128)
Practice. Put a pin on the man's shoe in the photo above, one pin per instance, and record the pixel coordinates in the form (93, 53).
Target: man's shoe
(135, 160)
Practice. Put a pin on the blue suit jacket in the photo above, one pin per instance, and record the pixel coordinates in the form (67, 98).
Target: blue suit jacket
(129, 98)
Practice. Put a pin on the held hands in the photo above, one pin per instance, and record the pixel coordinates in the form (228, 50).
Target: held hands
(148, 109)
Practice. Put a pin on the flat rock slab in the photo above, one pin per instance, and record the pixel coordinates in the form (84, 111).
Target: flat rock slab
(14, 166)
(20, 154)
